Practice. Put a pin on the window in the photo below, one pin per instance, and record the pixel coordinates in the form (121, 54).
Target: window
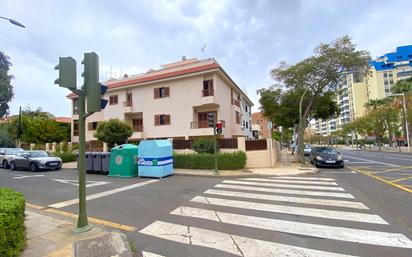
(75, 127)
(247, 124)
(162, 119)
(113, 99)
(390, 75)
(137, 124)
(75, 106)
(385, 82)
(208, 88)
(91, 126)
(246, 108)
(237, 117)
(129, 100)
(385, 75)
(390, 82)
(161, 92)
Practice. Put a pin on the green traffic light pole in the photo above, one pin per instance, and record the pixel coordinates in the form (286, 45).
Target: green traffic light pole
(215, 147)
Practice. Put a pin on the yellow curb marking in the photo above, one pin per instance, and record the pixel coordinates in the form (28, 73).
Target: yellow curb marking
(383, 180)
(91, 219)
(406, 167)
(401, 179)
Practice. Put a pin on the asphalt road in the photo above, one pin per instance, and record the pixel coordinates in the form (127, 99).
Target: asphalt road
(339, 212)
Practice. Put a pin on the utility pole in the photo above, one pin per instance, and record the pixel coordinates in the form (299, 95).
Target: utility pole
(301, 147)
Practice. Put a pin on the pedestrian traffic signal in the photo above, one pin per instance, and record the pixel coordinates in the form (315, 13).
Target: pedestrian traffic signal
(211, 119)
(92, 86)
(67, 73)
(219, 128)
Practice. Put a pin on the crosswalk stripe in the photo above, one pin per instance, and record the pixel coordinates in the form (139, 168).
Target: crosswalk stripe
(289, 199)
(237, 245)
(300, 228)
(149, 254)
(304, 178)
(286, 191)
(312, 212)
(326, 183)
(284, 186)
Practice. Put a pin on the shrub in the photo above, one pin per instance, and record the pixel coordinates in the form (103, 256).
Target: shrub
(66, 156)
(204, 145)
(226, 161)
(6, 139)
(113, 132)
(12, 229)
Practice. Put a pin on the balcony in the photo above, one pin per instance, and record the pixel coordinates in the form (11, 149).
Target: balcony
(208, 92)
(128, 106)
(201, 128)
(203, 124)
(137, 132)
(137, 128)
(236, 102)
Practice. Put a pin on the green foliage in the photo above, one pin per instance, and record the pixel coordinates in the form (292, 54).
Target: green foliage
(226, 161)
(402, 86)
(277, 136)
(113, 132)
(6, 89)
(12, 229)
(5, 138)
(66, 156)
(43, 130)
(204, 145)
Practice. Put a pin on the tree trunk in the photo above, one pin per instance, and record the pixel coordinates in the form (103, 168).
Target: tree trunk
(379, 142)
(301, 130)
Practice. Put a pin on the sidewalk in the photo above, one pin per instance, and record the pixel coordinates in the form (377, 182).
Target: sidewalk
(52, 236)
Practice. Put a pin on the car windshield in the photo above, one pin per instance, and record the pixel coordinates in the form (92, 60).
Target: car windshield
(326, 150)
(307, 146)
(39, 154)
(13, 151)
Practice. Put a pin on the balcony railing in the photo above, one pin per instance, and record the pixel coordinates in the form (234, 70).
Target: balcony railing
(137, 128)
(203, 124)
(208, 92)
(236, 102)
(127, 103)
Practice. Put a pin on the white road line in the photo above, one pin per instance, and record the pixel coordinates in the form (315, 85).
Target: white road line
(226, 242)
(300, 228)
(311, 212)
(348, 161)
(288, 181)
(396, 158)
(331, 188)
(285, 191)
(149, 254)
(305, 178)
(28, 176)
(372, 161)
(289, 199)
(102, 194)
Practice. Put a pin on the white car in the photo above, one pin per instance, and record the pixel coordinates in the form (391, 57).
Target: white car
(6, 154)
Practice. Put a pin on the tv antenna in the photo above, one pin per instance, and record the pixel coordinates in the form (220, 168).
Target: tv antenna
(203, 50)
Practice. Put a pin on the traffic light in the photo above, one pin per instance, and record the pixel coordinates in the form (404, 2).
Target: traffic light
(93, 88)
(67, 73)
(219, 128)
(211, 119)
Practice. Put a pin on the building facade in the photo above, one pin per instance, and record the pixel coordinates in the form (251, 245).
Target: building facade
(260, 126)
(173, 102)
(356, 90)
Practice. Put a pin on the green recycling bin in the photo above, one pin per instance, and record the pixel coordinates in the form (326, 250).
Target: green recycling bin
(124, 161)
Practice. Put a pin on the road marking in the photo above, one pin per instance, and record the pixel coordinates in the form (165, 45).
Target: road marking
(312, 212)
(372, 161)
(289, 199)
(338, 172)
(75, 182)
(355, 162)
(24, 176)
(331, 188)
(305, 178)
(74, 216)
(384, 180)
(149, 254)
(300, 228)
(237, 245)
(285, 191)
(397, 169)
(102, 194)
(400, 179)
(288, 181)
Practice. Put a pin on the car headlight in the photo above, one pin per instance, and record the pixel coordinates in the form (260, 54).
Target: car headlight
(340, 158)
(42, 162)
(318, 158)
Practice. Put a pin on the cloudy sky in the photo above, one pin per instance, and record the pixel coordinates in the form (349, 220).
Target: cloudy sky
(248, 38)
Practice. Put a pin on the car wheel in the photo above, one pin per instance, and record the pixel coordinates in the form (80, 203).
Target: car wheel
(342, 166)
(5, 164)
(58, 168)
(316, 164)
(13, 166)
(33, 167)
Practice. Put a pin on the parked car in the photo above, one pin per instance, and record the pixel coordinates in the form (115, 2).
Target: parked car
(326, 156)
(307, 149)
(6, 154)
(35, 160)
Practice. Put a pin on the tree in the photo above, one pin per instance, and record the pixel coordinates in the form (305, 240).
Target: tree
(5, 138)
(113, 132)
(6, 89)
(42, 131)
(320, 74)
(402, 86)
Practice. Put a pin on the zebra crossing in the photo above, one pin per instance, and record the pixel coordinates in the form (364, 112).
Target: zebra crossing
(286, 216)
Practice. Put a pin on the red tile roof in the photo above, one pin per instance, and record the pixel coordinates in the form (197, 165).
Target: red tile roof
(63, 119)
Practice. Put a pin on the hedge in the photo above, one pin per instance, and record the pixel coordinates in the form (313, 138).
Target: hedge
(226, 161)
(66, 156)
(12, 229)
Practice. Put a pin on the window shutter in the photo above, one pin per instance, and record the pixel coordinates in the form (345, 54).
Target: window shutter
(156, 93)
(90, 126)
(167, 119)
(167, 91)
(211, 84)
(157, 120)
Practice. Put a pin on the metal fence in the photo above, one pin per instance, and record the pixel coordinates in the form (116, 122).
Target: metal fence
(255, 145)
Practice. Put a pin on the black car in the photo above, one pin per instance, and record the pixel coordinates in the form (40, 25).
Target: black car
(327, 157)
(35, 160)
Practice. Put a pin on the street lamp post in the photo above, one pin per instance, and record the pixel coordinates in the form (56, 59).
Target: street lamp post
(14, 22)
(405, 117)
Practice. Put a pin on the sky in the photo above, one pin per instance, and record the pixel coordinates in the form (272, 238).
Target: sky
(248, 38)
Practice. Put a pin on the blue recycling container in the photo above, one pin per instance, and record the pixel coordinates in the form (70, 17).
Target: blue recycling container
(155, 158)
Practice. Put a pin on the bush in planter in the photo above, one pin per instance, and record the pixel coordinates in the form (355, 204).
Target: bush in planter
(226, 161)
(204, 145)
(12, 229)
(66, 156)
